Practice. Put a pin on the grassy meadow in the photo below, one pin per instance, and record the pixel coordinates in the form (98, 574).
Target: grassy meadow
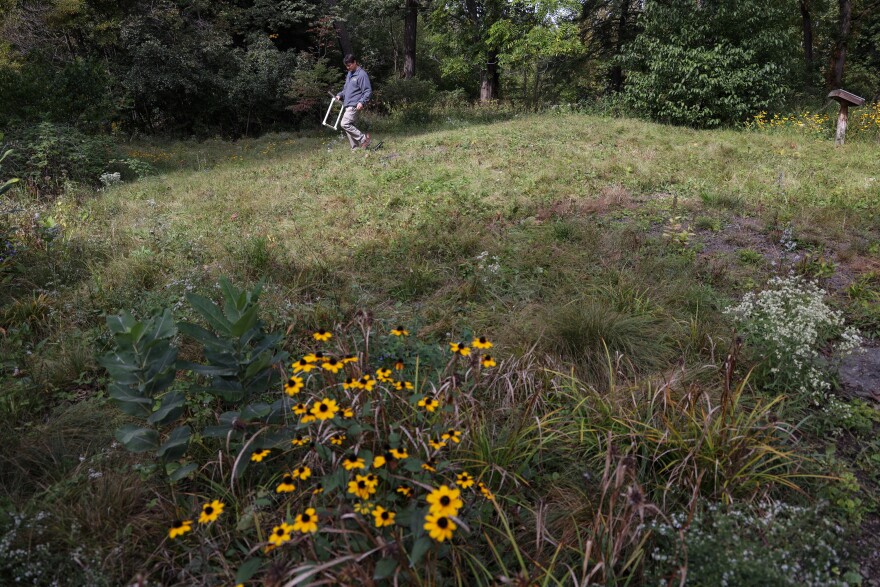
(631, 432)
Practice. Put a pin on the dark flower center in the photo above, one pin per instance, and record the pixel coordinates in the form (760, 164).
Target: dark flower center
(400, 328)
(209, 510)
(287, 480)
(332, 361)
(362, 485)
(279, 532)
(442, 523)
(323, 408)
(178, 524)
(444, 500)
(384, 515)
(306, 518)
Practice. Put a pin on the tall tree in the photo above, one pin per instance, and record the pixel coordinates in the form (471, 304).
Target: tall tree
(410, 25)
(838, 55)
(807, 26)
(467, 24)
(607, 26)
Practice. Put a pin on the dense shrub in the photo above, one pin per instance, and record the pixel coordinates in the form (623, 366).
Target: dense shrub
(710, 64)
(47, 155)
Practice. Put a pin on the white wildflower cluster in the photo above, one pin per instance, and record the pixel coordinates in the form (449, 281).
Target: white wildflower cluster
(487, 264)
(109, 179)
(788, 324)
(769, 543)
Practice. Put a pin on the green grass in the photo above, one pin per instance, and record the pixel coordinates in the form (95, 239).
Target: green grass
(546, 232)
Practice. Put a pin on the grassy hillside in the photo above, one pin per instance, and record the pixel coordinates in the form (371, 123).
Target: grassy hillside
(597, 254)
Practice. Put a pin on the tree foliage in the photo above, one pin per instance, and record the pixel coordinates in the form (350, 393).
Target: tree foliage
(712, 62)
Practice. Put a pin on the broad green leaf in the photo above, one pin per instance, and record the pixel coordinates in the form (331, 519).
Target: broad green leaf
(136, 439)
(176, 445)
(130, 401)
(248, 570)
(255, 411)
(247, 321)
(210, 312)
(421, 546)
(178, 472)
(385, 568)
(8, 185)
(169, 410)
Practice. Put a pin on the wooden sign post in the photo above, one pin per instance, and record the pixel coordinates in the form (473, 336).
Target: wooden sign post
(845, 99)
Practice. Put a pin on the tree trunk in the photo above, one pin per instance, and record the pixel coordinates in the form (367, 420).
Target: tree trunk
(838, 57)
(341, 32)
(409, 39)
(490, 79)
(806, 17)
(617, 70)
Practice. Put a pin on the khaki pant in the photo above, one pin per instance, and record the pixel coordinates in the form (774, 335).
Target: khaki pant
(355, 137)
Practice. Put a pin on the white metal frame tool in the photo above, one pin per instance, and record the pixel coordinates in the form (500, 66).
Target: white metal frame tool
(333, 100)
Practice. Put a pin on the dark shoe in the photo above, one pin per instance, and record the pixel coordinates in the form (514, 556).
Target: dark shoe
(366, 142)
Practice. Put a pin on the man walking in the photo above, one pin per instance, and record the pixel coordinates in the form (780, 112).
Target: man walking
(354, 96)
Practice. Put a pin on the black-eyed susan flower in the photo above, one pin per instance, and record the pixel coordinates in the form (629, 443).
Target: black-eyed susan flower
(378, 461)
(430, 466)
(481, 343)
(464, 480)
(349, 359)
(487, 361)
(485, 491)
(258, 456)
(302, 473)
(313, 358)
(436, 444)
(383, 517)
(286, 485)
(361, 488)
(307, 419)
(348, 413)
(211, 511)
(351, 383)
(294, 385)
(322, 335)
(459, 348)
(404, 491)
(300, 440)
(453, 435)
(306, 522)
(179, 528)
(439, 527)
(350, 462)
(302, 366)
(333, 365)
(337, 439)
(398, 453)
(367, 382)
(400, 331)
(372, 479)
(324, 409)
(429, 403)
(363, 507)
(299, 409)
(384, 375)
(398, 365)
(280, 534)
(445, 501)
(401, 385)
(319, 489)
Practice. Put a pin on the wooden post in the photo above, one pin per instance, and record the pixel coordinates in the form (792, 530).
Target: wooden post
(845, 99)
(840, 135)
